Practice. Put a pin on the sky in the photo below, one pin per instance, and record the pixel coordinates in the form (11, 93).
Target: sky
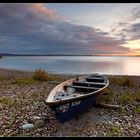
(73, 28)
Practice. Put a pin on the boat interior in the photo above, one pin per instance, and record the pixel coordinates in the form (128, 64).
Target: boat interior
(80, 87)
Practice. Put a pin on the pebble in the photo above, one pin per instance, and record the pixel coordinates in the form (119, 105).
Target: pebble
(101, 113)
(36, 117)
(27, 126)
(117, 123)
(39, 123)
(35, 110)
(110, 122)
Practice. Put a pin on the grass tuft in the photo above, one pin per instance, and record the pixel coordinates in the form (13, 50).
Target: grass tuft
(129, 97)
(2, 78)
(123, 81)
(23, 81)
(114, 131)
(137, 110)
(40, 75)
(7, 101)
(126, 97)
(137, 97)
(108, 98)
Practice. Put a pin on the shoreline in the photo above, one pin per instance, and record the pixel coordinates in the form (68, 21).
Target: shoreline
(56, 73)
(23, 103)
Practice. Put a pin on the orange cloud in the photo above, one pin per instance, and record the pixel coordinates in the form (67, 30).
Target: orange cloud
(138, 49)
(49, 13)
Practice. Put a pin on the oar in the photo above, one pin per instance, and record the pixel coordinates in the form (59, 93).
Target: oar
(99, 104)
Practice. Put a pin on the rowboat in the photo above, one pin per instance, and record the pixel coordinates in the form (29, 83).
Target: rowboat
(76, 95)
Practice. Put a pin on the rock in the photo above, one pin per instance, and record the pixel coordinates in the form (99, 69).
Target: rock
(117, 123)
(36, 117)
(39, 123)
(27, 126)
(101, 113)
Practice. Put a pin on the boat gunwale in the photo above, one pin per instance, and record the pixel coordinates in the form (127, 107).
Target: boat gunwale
(50, 103)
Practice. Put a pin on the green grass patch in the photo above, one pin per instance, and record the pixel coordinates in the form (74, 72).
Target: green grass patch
(114, 131)
(137, 110)
(24, 81)
(129, 97)
(126, 97)
(53, 77)
(137, 97)
(9, 125)
(108, 97)
(2, 78)
(72, 134)
(123, 81)
(8, 101)
(38, 76)
(121, 110)
(13, 114)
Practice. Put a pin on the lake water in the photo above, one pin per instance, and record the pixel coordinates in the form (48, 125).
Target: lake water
(75, 64)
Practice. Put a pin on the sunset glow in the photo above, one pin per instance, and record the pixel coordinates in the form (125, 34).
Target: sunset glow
(134, 45)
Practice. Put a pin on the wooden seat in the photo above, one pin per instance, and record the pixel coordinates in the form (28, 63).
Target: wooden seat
(96, 78)
(92, 83)
(84, 87)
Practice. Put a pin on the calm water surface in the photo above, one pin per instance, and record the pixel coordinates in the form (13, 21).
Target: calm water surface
(75, 64)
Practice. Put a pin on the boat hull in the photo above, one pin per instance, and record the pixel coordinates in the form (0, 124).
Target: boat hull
(68, 111)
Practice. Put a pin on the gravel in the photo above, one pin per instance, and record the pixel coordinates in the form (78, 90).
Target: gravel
(25, 104)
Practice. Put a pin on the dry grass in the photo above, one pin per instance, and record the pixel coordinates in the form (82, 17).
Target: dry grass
(40, 75)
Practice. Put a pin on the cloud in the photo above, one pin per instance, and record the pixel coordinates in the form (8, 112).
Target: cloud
(133, 31)
(138, 49)
(129, 28)
(34, 28)
(135, 13)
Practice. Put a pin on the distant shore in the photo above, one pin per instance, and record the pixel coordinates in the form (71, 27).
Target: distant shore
(22, 101)
(9, 54)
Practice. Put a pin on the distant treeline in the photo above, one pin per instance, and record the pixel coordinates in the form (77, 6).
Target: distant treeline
(8, 54)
